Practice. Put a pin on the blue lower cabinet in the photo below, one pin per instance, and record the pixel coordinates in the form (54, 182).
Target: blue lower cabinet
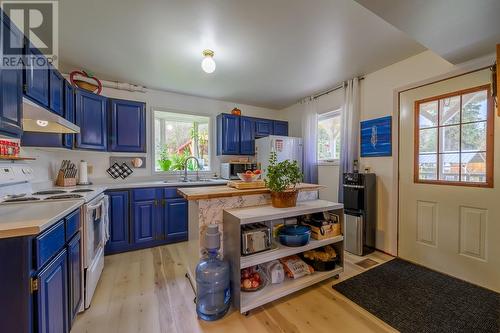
(280, 128)
(118, 222)
(52, 296)
(145, 217)
(175, 216)
(75, 284)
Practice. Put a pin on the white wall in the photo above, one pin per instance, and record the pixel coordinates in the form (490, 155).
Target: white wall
(48, 159)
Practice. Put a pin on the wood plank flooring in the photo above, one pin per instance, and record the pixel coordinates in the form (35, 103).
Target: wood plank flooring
(146, 291)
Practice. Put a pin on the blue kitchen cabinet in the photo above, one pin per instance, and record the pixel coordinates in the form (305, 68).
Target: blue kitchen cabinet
(56, 94)
(145, 220)
(119, 222)
(69, 113)
(247, 136)
(127, 130)
(280, 128)
(36, 76)
(52, 296)
(263, 127)
(175, 217)
(75, 283)
(91, 117)
(11, 84)
(228, 134)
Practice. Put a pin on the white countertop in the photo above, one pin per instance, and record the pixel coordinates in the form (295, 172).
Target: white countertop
(21, 219)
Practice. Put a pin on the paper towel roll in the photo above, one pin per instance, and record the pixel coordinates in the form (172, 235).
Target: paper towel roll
(84, 179)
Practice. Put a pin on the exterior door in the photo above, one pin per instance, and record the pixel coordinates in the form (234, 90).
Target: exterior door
(449, 227)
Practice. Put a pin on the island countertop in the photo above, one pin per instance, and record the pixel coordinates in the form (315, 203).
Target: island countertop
(211, 192)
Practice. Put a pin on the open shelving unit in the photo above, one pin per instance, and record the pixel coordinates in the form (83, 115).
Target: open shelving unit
(235, 218)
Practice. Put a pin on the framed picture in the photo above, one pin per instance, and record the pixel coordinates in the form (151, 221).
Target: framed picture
(376, 137)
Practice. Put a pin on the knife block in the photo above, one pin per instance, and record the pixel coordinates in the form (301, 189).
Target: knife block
(63, 181)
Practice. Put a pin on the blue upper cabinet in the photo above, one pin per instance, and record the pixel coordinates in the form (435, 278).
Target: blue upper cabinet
(127, 126)
(247, 136)
(263, 127)
(91, 117)
(56, 95)
(228, 134)
(11, 85)
(280, 128)
(69, 112)
(37, 76)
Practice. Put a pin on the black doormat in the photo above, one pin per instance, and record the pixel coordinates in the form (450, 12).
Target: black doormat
(412, 298)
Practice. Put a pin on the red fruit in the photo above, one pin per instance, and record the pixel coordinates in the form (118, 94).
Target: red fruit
(257, 172)
(245, 274)
(255, 284)
(256, 277)
(247, 284)
(249, 172)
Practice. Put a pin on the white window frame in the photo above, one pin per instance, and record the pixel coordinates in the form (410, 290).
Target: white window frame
(326, 115)
(211, 150)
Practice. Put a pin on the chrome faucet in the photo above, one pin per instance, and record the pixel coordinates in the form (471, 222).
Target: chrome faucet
(186, 169)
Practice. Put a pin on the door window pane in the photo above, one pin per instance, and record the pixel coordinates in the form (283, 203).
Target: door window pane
(449, 167)
(428, 140)
(474, 167)
(449, 139)
(427, 167)
(449, 113)
(474, 106)
(474, 136)
(428, 116)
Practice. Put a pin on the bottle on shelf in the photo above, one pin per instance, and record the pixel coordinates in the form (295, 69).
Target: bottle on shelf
(213, 292)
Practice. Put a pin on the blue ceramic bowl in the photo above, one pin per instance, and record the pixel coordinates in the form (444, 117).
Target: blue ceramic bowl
(295, 235)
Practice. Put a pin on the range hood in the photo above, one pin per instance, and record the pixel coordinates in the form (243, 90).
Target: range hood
(39, 119)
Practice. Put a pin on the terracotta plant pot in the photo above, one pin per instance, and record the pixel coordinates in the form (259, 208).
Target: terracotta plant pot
(284, 199)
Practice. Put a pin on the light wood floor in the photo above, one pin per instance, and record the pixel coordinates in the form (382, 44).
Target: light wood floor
(146, 291)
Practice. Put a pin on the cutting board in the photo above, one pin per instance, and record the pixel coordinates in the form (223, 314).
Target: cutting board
(241, 185)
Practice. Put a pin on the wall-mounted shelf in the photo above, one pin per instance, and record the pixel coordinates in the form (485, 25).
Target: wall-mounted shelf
(16, 158)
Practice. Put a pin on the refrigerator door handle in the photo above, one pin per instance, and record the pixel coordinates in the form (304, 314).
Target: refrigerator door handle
(271, 142)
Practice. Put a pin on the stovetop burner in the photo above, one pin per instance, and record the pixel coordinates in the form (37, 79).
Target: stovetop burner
(47, 192)
(64, 196)
(22, 199)
(82, 190)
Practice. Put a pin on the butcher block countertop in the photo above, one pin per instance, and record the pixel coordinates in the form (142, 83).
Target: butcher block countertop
(211, 192)
(18, 220)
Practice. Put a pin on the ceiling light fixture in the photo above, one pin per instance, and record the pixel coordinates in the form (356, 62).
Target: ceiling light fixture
(42, 123)
(208, 63)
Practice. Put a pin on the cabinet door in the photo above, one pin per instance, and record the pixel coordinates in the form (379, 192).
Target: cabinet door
(175, 215)
(36, 76)
(90, 115)
(118, 222)
(263, 127)
(74, 278)
(56, 97)
(52, 296)
(127, 126)
(69, 112)
(11, 84)
(145, 217)
(280, 128)
(247, 136)
(228, 134)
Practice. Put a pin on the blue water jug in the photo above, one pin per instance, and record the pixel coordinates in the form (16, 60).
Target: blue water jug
(213, 293)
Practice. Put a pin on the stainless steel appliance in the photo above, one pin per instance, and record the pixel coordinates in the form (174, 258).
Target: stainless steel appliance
(255, 238)
(285, 147)
(360, 208)
(231, 169)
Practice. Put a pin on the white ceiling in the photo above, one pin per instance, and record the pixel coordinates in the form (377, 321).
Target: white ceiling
(457, 30)
(269, 53)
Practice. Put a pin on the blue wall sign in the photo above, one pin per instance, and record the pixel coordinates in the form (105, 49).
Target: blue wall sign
(376, 137)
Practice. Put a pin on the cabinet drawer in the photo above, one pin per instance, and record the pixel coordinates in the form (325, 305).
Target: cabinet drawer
(171, 193)
(72, 224)
(49, 243)
(144, 194)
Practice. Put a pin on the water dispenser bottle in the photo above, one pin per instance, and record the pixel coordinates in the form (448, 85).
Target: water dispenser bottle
(213, 293)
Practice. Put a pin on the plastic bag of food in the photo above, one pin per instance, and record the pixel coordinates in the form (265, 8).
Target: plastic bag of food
(275, 271)
(295, 267)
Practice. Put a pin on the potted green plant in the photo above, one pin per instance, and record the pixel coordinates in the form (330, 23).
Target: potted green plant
(282, 179)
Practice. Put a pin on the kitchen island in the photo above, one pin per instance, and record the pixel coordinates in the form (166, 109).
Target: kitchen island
(207, 205)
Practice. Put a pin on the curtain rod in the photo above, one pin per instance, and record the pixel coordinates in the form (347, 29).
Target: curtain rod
(333, 89)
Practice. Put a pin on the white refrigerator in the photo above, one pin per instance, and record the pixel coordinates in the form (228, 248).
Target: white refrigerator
(285, 147)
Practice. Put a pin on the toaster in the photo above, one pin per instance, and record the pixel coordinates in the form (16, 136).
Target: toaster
(255, 238)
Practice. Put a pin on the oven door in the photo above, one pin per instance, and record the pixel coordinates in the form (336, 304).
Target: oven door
(95, 230)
